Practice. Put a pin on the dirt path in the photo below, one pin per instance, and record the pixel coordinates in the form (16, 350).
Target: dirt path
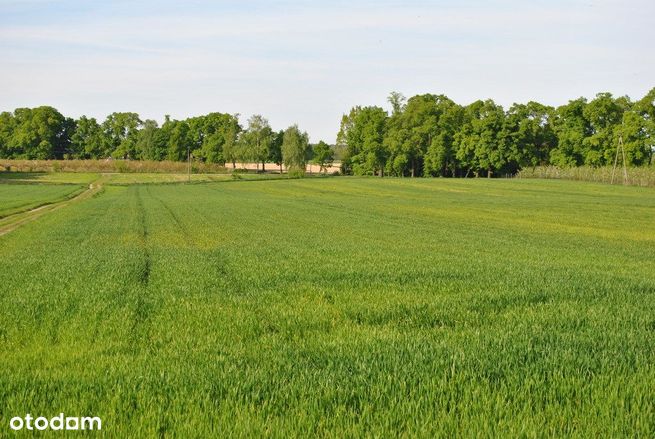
(12, 222)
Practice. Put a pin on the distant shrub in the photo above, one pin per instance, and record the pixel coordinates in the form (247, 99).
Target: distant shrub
(296, 173)
(120, 166)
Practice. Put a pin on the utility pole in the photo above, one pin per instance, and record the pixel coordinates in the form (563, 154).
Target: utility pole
(616, 161)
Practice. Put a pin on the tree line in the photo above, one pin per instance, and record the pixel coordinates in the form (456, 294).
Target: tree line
(426, 135)
(44, 133)
(431, 135)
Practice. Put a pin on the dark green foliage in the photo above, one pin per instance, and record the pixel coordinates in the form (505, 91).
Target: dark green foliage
(43, 133)
(294, 149)
(179, 139)
(414, 130)
(323, 155)
(210, 134)
(121, 131)
(431, 135)
(363, 132)
(604, 115)
(482, 145)
(34, 133)
(151, 143)
(88, 140)
(440, 157)
(529, 134)
(275, 149)
(426, 135)
(255, 141)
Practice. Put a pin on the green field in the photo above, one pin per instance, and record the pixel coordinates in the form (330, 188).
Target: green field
(336, 307)
(49, 177)
(130, 178)
(15, 198)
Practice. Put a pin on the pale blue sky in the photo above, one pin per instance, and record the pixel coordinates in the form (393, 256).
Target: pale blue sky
(309, 62)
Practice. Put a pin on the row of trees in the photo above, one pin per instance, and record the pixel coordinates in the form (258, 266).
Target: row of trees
(427, 135)
(44, 133)
(431, 135)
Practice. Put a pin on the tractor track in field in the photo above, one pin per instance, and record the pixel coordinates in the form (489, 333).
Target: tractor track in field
(144, 272)
(12, 222)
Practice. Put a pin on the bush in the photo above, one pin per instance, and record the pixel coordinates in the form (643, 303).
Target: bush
(120, 166)
(296, 173)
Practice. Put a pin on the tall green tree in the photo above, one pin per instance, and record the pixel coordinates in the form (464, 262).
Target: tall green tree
(121, 131)
(530, 135)
(231, 145)
(88, 141)
(257, 138)
(604, 114)
(39, 133)
(634, 134)
(323, 156)
(397, 101)
(366, 153)
(645, 108)
(294, 149)
(571, 128)
(210, 133)
(179, 140)
(346, 150)
(151, 143)
(440, 156)
(275, 150)
(7, 127)
(412, 132)
(481, 144)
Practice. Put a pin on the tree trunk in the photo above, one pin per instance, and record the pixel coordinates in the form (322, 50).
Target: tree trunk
(280, 168)
(488, 173)
(263, 166)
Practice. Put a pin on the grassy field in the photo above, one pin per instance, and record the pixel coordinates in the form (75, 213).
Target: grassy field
(48, 177)
(337, 307)
(15, 198)
(130, 178)
(156, 178)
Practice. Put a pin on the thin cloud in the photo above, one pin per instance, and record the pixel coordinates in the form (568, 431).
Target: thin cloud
(308, 63)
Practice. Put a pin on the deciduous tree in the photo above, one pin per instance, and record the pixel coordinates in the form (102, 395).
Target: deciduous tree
(294, 149)
(323, 156)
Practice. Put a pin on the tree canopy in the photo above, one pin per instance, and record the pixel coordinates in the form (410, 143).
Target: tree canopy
(425, 135)
(294, 149)
(43, 133)
(431, 135)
